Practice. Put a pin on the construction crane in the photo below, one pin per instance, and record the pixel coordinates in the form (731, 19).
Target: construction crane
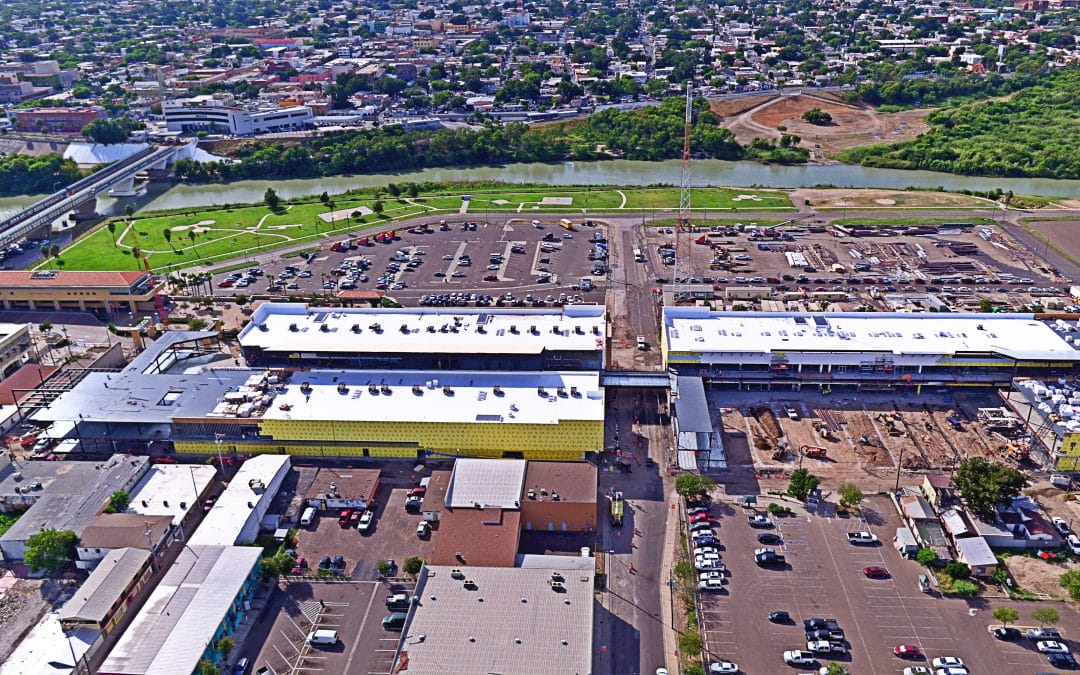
(684, 230)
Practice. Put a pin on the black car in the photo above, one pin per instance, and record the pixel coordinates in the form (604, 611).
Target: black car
(324, 564)
(1062, 660)
(779, 617)
(1007, 633)
(338, 563)
(769, 538)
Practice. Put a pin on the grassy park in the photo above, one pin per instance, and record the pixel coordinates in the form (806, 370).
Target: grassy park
(189, 237)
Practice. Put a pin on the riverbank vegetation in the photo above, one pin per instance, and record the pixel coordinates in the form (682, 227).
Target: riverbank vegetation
(27, 175)
(1032, 134)
(649, 134)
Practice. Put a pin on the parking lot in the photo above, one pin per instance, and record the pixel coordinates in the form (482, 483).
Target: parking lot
(355, 610)
(486, 259)
(823, 577)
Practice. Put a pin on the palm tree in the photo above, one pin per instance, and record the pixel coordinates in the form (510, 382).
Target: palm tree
(112, 231)
(191, 236)
(168, 236)
(129, 210)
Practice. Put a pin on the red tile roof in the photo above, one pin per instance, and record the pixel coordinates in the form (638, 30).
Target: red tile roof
(70, 279)
(23, 379)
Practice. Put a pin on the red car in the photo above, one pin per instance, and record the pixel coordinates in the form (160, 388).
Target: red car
(343, 519)
(417, 492)
(299, 566)
(703, 518)
(907, 652)
(491, 277)
(355, 517)
(208, 504)
(875, 572)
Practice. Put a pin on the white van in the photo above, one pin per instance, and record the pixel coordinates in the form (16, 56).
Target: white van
(308, 516)
(323, 637)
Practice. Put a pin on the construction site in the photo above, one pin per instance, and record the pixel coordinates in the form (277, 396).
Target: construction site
(849, 436)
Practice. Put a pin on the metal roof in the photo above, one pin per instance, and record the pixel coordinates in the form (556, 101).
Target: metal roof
(487, 482)
(95, 598)
(692, 408)
(171, 631)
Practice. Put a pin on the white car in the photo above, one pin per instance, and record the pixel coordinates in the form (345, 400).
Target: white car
(760, 521)
(723, 667)
(862, 537)
(951, 671)
(711, 557)
(711, 585)
(1061, 525)
(719, 574)
(948, 662)
(1052, 647)
(366, 521)
(708, 565)
(706, 550)
(1074, 543)
(798, 658)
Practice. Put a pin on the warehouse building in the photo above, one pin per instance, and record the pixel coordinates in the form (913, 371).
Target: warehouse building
(293, 336)
(872, 351)
(237, 514)
(206, 113)
(202, 598)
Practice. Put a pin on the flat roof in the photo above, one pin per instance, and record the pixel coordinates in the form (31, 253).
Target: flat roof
(1019, 336)
(242, 500)
(691, 407)
(975, 551)
(171, 490)
(125, 530)
(94, 600)
(291, 327)
(522, 625)
(72, 493)
(468, 536)
(73, 279)
(424, 396)
(575, 482)
(43, 650)
(487, 482)
(171, 631)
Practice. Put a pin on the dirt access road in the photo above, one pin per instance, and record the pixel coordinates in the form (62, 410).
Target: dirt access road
(851, 126)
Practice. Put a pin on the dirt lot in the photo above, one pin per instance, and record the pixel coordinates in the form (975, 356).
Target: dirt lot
(851, 126)
(1064, 233)
(1039, 576)
(840, 198)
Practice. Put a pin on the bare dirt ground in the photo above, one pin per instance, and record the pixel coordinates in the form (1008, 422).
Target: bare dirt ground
(22, 604)
(1039, 576)
(1064, 233)
(852, 126)
(841, 198)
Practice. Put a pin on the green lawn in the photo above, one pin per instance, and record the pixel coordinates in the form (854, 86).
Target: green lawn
(717, 222)
(218, 235)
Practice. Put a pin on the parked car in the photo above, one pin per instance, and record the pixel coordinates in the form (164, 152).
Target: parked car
(713, 585)
(947, 662)
(862, 537)
(423, 529)
(770, 538)
(1058, 660)
(343, 519)
(1074, 543)
(907, 652)
(918, 670)
(876, 572)
(366, 521)
(1052, 647)
(1061, 525)
(779, 616)
(759, 520)
(1007, 633)
(723, 667)
(1042, 633)
(796, 657)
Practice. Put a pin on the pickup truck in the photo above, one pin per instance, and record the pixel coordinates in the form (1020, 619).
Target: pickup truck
(862, 538)
(826, 647)
(767, 556)
(816, 624)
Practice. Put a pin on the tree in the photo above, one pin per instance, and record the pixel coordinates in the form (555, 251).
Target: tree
(108, 131)
(414, 190)
(377, 207)
(694, 486)
(413, 564)
(271, 198)
(45, 326)
(984, 484)
(278, 564)
(1070, 581)
(817, 117)
(385, 567)
(129, 211)
(926, 556)
(835, 668)
(957, 570)
(112, 231)
(208, 668)
(197, 324)
(118, 502)
(850, 495)
(1045, 616)
(50, 549)
(1006, 615)
(225, 646)
(167, 233)
(964, 587)
(394, 189)
(802, 483)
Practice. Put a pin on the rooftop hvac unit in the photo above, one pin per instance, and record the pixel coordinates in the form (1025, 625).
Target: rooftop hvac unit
(386, 389)
(342, 388)
(404, 328)
(541, 391)
(497, 390)
(562, 392)
(578, 330)
(555, 495)
(531, 494)
(556, 576)
(263, 327)
(293, 327)
(418, 390)
(373, 390)
(513, 329)
(305, 386)
(557, 586)
(355, 328)
(449, 391)
(324, 328)
(431, 329)
(574, 392)
(376, 327)
(457, 574)
(469, 584)
(481, 330)
(595, 330)
(534, 330)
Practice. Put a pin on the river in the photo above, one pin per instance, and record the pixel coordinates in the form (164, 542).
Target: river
(609, 172)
